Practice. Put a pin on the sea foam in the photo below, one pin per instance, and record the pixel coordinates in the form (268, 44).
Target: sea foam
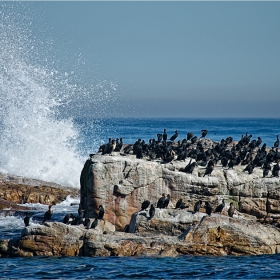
(36, 139)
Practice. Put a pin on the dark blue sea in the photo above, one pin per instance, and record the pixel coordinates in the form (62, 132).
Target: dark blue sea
(94, 132)
(43, 135)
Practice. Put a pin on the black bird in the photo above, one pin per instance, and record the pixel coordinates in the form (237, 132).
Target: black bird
(159, 136)
(231, 210)
(166, 201)
(68, 219)
(249, 168)
(194, 139)
(220, 207)
(164, 135)
(197, 206)
(208, 208)
(276, 143)
(127, 149)
(95, 223)
(189, 135)
(275, 170)
(160, 202)
(101, 212)
(208, 170)
(180, 204)
(267, 205)
(80, 219)
(48, 214)
(203, 133)
(152, 211)
(26, 219)
(266, 168)
(145, 205)
(174, 136)
(190, 167)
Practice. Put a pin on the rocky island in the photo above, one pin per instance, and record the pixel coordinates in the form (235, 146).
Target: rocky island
(224, 173)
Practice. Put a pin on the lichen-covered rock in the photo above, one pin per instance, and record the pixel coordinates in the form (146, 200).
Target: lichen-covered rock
(121, 183)
(19, 190)
(185, 233)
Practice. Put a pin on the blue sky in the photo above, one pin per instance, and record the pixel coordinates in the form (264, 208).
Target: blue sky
(172, 59)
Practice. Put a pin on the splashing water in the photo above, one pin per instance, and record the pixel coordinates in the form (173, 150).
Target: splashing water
(35, 140)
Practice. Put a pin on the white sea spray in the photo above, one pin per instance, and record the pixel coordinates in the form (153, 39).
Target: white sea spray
(38, 138)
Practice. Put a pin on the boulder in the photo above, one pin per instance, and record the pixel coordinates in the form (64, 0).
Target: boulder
(122, 182)
(170, 233)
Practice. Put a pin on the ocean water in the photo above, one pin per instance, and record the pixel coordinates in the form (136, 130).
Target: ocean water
(39, 139)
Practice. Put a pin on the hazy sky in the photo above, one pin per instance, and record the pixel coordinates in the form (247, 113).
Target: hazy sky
(173, 59)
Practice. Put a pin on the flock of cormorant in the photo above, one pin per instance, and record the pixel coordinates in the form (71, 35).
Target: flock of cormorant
(246, 152)
(71, 219)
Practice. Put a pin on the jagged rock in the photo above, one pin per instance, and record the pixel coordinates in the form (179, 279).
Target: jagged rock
(196, 234)
(20, 190)
(121, 183)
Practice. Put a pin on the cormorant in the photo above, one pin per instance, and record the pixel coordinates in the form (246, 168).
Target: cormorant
(95, 223)
(174, 136)
(164, 135)
(197, 206)
(209, 170)
(166, 201)
(68, 219)
(203, 133)
(220, 207)
(152, 211)
(231, 210)
(101, 212)
(145, 205)
(26, 219)
(275, 170)
(48, 214)
(276, 143)
(159, 136)
(180, 204)
(208, 208)
(189, 135)
(160, 202)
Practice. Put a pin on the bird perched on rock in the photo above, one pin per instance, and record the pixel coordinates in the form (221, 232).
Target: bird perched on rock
(152, 211)
(101, 212)
(203, 133)
(220, 207)
(208, 170)
(68, 219)
(208, 208)
(166, 201)
(276, 143)
(189, 135)
(180, 204)
(160, 202)
(80, 219)
(95, 223)
(48, 214)
(231, 210)
(275, 170)
(164, 135)
(174, 136)
(197, 206)
(145, 205)
(26, 219)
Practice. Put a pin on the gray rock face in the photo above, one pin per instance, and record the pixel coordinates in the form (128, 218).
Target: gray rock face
(121, 183)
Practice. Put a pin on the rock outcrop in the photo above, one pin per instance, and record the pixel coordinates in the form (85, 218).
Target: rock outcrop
(19, 190)
(184, 233)
(121, 183)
